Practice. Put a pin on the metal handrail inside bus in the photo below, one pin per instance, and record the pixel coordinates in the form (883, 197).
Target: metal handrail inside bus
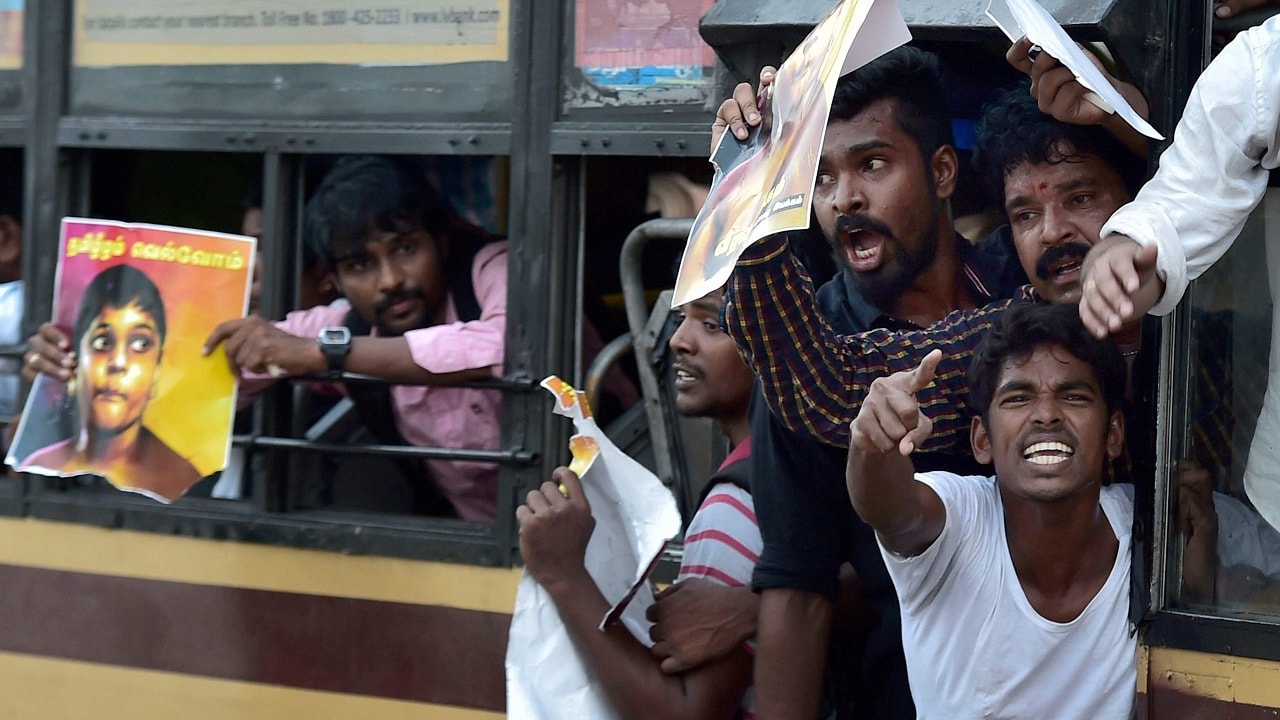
(645, 337)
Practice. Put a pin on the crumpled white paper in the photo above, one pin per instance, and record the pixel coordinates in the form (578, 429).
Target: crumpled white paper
(636, 516)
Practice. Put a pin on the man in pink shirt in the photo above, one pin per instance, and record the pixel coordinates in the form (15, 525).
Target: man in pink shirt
(424, 305)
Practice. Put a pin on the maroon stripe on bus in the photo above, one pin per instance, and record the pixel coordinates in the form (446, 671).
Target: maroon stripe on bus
(1169, 703)
(420, 653)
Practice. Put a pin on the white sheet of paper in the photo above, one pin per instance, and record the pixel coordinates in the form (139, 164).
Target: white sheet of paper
(1026, 17)
(635, 517)
(884, 23)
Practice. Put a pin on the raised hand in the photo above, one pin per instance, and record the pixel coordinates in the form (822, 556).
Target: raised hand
(555, 526)
(1060, 95)
(890, 419)
(740, 111)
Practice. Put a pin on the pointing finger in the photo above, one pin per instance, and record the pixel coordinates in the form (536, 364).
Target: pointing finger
(923, 375)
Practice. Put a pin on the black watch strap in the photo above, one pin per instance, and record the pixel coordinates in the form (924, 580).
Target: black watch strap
(335, 343)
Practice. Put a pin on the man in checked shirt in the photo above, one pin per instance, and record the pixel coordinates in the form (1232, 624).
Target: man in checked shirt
(1059, 186)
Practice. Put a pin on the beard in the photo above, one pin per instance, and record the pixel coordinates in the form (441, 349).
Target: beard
(886, 283)
(394, 328)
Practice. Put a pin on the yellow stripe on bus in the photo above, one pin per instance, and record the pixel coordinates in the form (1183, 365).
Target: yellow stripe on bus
(1221, 677)
(87, 549)
(37, 687)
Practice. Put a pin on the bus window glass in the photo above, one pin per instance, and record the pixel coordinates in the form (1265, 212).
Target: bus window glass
(638, 54)
(1226, 479)
(243, 58)
(405, 250)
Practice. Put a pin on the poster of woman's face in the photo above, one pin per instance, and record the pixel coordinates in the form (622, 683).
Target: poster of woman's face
(144, 409)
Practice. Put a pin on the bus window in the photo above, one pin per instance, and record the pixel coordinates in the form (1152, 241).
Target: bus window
(427, 448)
(1225, 522)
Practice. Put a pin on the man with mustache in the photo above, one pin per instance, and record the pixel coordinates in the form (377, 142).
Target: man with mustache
(885, 175)
(425, 305)
(1058, 183)
(720, 546)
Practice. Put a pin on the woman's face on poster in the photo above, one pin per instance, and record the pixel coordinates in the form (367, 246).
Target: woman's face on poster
(119, 356)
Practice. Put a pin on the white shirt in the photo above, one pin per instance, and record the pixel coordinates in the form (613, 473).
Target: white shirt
(1210, 179)
(976, 648)
(1215, 172)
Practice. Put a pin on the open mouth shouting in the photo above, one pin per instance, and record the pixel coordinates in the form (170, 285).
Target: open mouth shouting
(1061, 264)
(1046, 453)
(861, 241)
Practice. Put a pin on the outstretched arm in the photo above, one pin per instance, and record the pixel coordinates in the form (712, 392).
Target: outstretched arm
(259, 346)
(1119, 284)
(554, 530)
(907, 515)
(814, 380)
(1215, 172)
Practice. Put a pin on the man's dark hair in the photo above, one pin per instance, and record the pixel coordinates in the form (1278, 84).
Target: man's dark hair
(1013, 130)
(909, 76)
(1021, 330)
(364, 194)
(119, 287)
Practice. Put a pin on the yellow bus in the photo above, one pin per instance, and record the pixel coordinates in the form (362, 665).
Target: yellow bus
(314, 591)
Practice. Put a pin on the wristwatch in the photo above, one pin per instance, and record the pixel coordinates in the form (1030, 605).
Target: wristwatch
(335, 343)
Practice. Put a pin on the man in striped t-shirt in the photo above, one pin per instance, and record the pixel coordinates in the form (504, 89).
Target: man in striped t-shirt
(721, 545)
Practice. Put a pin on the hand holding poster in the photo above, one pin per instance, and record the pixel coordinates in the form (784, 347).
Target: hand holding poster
(764, 185)
(144, 408)
(635, 516)
(1017, 18)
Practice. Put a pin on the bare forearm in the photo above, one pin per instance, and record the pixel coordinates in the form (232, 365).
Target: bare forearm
(631, 678)
(882, 490)
(791, 652)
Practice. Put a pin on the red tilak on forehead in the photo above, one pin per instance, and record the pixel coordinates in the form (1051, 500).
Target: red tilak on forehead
(1044, 185)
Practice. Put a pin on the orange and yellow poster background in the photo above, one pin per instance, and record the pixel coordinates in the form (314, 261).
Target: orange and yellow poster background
(203, 279)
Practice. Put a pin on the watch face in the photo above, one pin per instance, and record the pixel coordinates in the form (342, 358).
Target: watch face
(335, 336)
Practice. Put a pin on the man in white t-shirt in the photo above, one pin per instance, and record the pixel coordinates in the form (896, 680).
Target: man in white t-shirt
(1014, 589)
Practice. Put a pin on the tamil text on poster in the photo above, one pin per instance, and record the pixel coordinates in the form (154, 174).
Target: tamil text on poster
(143, 408)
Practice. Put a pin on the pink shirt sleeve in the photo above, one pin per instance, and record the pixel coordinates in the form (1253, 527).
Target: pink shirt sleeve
(455, 345)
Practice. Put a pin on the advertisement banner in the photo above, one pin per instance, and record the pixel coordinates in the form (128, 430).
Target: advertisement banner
(251, 32)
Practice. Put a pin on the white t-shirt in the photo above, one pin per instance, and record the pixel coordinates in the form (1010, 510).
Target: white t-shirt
(976, 648)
